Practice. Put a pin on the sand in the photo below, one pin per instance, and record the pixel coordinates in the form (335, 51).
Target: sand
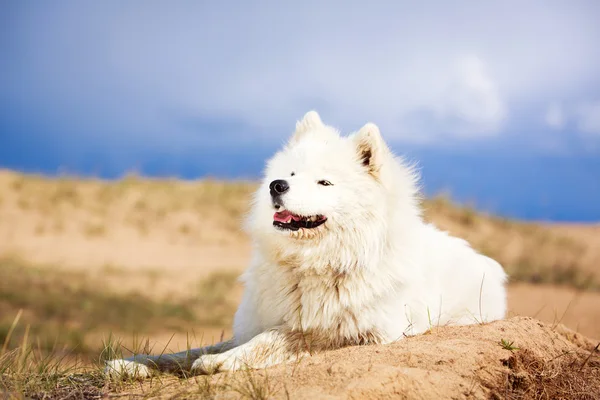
(546, 362)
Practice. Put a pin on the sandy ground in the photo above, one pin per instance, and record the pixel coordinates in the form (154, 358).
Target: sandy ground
(446, 363)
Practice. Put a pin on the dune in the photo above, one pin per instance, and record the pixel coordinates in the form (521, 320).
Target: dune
(517, 358)
(171, 249)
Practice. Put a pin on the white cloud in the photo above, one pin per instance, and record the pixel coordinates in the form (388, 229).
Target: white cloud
(588, 118)
(472, 100)
(555, 116)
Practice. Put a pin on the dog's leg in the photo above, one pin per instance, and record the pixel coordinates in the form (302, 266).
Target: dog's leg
(142, 365)
(266, 349)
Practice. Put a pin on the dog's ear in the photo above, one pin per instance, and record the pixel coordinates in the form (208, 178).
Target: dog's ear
(310, 121)
(371, 148)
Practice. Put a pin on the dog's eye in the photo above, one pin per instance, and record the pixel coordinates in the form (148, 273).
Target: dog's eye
(325, 183)
(292, 174)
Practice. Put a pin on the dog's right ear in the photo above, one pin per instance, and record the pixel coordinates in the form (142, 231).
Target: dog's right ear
(309, 122)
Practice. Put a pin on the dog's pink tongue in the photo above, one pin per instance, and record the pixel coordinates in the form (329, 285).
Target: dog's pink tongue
(283, 216)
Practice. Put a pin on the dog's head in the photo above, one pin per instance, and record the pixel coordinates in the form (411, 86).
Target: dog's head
(323, 185)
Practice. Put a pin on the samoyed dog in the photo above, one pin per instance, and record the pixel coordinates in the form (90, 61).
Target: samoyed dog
(342, 257)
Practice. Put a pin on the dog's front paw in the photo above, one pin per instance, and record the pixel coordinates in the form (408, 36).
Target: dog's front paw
(206, 365)
(212, 363)
(126, 368)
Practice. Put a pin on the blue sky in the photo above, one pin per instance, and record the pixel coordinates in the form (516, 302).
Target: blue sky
(499, 102)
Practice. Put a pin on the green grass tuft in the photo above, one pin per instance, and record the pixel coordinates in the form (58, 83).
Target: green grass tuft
(506, 345)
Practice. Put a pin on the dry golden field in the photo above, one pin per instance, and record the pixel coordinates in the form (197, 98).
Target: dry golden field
(151, 265)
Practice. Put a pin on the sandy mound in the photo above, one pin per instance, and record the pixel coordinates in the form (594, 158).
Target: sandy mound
(546, 362)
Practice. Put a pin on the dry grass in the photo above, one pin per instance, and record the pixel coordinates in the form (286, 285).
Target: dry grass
(570, 376)
(51, 322)
(530, 252)
(28, 372)
(139, 203)
(66, 307)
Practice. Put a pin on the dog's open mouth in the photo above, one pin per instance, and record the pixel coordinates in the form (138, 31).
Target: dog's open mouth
(287, 220)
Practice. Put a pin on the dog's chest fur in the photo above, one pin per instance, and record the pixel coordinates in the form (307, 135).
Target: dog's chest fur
(328, 308)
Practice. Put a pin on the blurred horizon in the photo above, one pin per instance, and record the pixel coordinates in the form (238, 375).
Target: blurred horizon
(497, 103)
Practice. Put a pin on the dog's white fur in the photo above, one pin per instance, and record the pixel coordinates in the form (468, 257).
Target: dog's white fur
(373, 273)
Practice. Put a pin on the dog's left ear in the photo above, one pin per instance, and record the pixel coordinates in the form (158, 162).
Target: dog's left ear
(371, 148)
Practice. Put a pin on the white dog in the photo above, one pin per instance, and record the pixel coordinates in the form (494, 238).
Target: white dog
(342, 257)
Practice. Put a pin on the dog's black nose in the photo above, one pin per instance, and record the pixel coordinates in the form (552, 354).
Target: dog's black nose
(278, 187)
